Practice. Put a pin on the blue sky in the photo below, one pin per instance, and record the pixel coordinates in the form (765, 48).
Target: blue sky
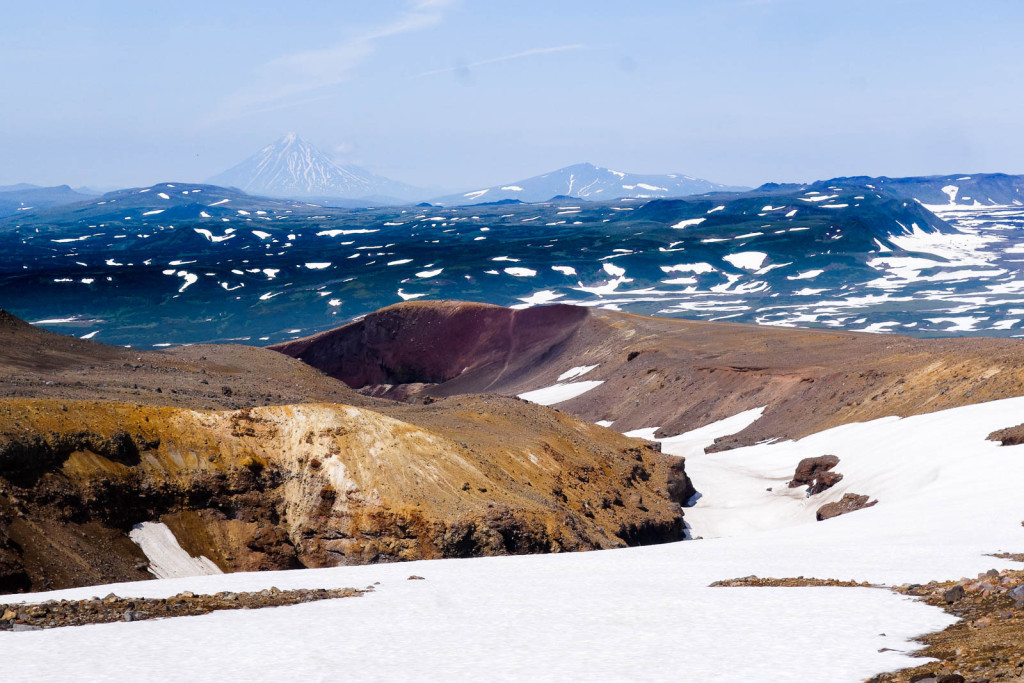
(457, 94)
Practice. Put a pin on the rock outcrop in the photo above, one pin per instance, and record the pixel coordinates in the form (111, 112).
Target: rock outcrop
(816, 474)
(1010, 436)
(850, 502)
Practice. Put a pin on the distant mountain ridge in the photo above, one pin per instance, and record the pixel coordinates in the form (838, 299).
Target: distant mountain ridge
(293, 168)
(589, 182)
(24, 197)
(980, 189)
(163, 203)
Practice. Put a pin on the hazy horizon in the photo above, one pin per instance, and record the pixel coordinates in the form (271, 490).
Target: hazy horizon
(454, 95)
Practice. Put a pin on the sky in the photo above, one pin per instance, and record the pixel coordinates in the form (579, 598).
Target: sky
(461, 94)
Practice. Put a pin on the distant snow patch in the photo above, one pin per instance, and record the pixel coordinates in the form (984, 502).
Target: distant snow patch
(335, 233)
(808, 275)
(560, 392)
(697, 268)
(614, 270)
(573, 373)
(520, 272)
(228, 234)
(538, 298)
(749, 260)
(429, 273)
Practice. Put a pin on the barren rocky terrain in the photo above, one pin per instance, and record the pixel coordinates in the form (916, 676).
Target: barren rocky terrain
(401, 437)
(674, 374)
(257, 461)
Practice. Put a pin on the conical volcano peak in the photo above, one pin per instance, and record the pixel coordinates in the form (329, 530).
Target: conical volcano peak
(293, 167)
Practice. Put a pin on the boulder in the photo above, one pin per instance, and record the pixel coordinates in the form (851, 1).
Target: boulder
(953, 594)
(850, 502)
(816, 474)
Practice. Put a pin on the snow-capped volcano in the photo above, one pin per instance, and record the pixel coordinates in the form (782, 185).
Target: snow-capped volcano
(292, 167)
(586, 181)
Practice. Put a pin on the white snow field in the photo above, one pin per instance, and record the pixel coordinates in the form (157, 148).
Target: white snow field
(947, 497)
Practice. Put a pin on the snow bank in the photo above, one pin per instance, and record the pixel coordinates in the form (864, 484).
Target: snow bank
(549, 396)
(573, 373)
(167, 559)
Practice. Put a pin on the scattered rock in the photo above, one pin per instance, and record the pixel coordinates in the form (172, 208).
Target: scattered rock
(851, 502)
(953, 594)
(415, 578)
(816, 474)
(798, 582)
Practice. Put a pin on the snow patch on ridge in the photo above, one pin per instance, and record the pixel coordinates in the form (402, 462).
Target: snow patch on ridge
(549, 396)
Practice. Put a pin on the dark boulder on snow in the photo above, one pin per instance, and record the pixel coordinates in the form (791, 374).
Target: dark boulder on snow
(851, 502)
(816, 474)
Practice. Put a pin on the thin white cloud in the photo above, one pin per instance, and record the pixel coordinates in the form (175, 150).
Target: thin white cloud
(291, 80)
(504, 58)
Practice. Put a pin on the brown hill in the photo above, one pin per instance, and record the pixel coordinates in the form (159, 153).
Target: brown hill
(36, 363)
(661, 372)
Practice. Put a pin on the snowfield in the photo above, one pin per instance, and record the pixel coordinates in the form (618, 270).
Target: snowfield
(947, 498)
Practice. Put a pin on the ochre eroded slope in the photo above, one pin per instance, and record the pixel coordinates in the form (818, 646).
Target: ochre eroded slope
(315, 485)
